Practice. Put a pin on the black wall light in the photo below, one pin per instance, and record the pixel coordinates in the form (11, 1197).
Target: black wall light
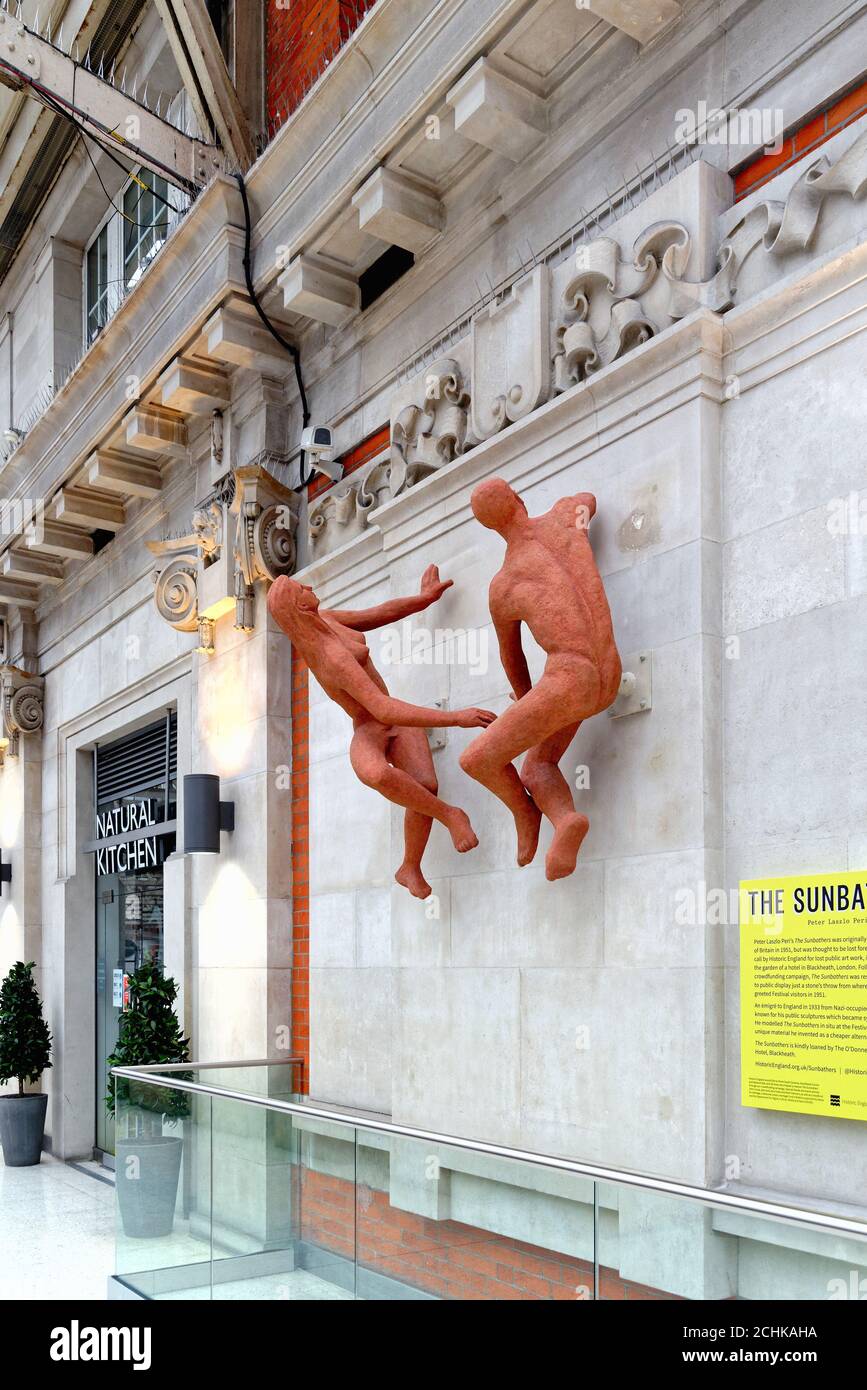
(205, 815)
(5, 873)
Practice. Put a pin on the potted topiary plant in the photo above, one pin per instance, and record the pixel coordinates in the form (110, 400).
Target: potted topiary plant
(25, 1053)
(148, 1161)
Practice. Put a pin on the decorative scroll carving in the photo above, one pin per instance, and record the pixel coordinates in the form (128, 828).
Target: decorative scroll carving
(346, 508)
(511, 366)
(603, 316)
(264, 537)
(176, 584)
(780, 229)
(176, 595)
(425, 436)
(21, 707)
(208, 570)
(611, 305)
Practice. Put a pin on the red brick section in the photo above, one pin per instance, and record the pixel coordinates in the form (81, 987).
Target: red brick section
(301, 38)
(367, 449)
(300, 866)
(300, 793)
(803, 140)
(446, 1258)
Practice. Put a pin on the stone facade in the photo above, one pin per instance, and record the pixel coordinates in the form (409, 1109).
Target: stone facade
(688, 348)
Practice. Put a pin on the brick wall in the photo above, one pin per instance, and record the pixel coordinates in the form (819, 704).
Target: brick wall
(301, 39)
(804, 140)
(367, 449)
(300, 795)
(445, 1258)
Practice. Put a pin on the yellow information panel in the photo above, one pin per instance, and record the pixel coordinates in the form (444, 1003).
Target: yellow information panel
(804, 994)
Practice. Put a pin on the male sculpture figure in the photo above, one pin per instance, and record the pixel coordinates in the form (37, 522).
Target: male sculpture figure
(389, 749)
(549, 581)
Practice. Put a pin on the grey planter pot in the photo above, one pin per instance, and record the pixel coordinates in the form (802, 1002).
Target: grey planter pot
(147, 1172)
(22, 1125)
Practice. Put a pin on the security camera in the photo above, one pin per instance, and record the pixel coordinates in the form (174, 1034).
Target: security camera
(317, 441)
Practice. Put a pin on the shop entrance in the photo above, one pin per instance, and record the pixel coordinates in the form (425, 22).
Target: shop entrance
(136, 799)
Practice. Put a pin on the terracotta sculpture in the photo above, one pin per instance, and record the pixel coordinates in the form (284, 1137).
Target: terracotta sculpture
(549, 581)
(389, 749)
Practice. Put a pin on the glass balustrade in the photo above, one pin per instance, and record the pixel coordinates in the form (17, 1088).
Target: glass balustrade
(231, 1185)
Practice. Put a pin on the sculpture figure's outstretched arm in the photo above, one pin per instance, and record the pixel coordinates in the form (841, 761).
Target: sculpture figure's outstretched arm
(395, 609)
(344, 672)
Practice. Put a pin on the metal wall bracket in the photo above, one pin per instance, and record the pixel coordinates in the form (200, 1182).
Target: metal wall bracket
(636, 686)
(437, 738)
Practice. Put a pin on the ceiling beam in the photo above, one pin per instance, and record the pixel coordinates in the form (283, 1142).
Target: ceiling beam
(205, 76)
(27, 58)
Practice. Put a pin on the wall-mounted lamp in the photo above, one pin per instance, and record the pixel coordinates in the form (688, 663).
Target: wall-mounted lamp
(5, 873)
(205, 815)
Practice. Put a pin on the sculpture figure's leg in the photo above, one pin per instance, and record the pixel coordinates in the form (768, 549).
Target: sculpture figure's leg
(567, 693)
(409, 750)
(551, 792)
(367, 753)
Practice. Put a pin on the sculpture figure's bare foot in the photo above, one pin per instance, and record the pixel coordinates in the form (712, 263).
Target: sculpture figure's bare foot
(410, 876)
(562, 856)
(462, 833)
(527, 823)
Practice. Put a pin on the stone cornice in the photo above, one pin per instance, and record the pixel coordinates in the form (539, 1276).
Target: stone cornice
(199, 265)
(680, 365)
(798, 316)
(387, 67)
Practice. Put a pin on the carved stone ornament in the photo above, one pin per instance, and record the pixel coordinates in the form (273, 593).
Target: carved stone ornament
(176, 582)
(511, 365)
(426, 433)
(611, 305)
(603, 315)
(267, 519)
(21, 707)
(207, 571)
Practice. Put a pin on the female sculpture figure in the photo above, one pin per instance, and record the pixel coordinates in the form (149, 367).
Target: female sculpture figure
(389, 750)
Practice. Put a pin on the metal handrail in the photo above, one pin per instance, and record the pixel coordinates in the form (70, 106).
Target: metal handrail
(725, 1201)
(208, 1066)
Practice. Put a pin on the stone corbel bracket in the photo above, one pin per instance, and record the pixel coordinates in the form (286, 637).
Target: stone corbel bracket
(21, 708)
(267, 521)
(180, 562)
(204, 574)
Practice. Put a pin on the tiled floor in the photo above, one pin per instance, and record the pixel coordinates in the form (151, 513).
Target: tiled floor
(295, 1287)
(56, 1233)
(57, 1240)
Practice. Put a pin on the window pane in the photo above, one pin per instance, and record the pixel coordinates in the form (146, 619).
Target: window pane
(97, 283)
